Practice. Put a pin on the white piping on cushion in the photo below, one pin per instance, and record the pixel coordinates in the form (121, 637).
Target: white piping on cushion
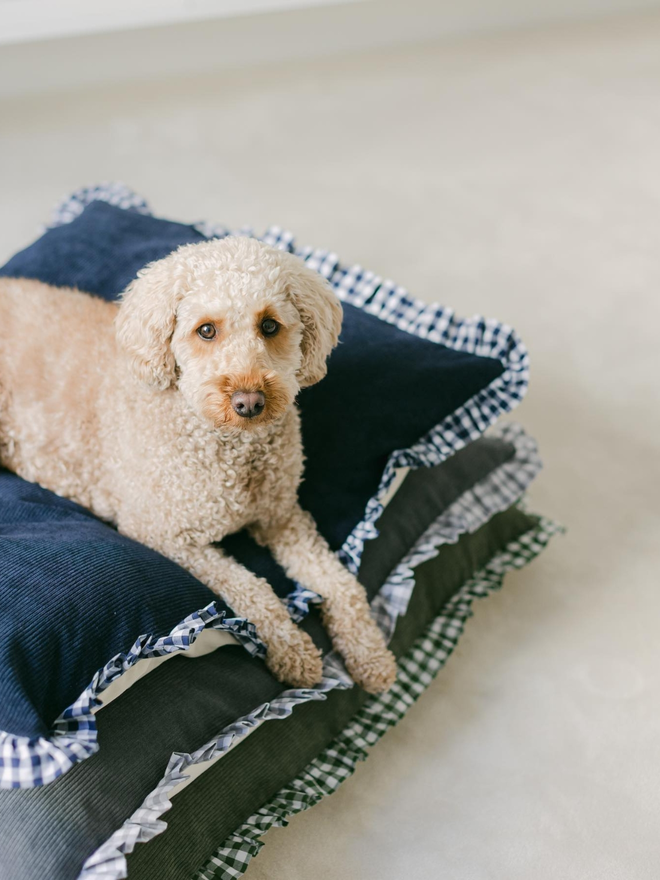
(74, 735)
(208, 641)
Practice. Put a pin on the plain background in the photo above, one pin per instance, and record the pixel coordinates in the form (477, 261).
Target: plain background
(507, 164)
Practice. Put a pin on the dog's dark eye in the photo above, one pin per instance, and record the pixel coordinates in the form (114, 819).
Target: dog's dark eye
(206, 331)
(269, 327)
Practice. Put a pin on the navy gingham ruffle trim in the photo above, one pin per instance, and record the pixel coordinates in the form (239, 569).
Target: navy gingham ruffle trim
(29, 762)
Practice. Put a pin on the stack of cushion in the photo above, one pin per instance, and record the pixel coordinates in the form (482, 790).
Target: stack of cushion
(136, 734)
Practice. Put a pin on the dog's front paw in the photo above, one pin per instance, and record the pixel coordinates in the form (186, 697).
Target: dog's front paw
(295, 660)
(369, 661)
(374, 671)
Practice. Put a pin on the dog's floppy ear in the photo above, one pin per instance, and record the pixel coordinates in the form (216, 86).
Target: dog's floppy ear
(145, 322)
(320, 312)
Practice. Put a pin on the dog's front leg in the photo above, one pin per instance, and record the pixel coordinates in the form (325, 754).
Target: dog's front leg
(291, 654)
(305, 556)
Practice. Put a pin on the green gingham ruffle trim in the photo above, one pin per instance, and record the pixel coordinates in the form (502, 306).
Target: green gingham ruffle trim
(416, 671)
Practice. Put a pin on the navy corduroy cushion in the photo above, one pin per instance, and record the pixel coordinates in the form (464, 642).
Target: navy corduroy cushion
(74, 593)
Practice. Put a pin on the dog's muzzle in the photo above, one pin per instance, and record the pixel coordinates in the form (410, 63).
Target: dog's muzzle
(248, 404)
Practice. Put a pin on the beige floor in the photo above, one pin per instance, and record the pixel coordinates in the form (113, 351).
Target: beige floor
(518, 176)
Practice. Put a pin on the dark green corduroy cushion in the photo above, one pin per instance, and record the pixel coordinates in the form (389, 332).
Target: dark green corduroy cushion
(207, 811)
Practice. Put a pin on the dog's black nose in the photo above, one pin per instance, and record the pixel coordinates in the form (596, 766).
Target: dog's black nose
(248, 403)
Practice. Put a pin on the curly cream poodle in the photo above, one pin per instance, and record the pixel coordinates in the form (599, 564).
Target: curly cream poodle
(172, 415)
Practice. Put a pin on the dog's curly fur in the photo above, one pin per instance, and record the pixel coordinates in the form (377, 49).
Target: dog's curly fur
(127, 410)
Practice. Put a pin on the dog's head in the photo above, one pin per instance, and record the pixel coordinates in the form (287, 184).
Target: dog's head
(239, 327)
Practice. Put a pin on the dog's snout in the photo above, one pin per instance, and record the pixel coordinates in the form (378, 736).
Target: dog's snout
(248, 403)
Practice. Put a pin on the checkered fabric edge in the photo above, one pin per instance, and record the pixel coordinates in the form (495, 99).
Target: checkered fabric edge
(495, 493)
(28, 762)
(416, 670)
(113, 193)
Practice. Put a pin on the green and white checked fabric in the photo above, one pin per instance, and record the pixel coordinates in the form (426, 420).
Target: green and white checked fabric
(417, 669)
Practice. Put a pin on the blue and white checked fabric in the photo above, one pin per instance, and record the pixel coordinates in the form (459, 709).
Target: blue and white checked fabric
(28, 762)
(116, 194)
(495, 493)
(299, 602)
(503, 487)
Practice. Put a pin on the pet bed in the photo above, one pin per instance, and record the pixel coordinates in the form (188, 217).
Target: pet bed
(82, 606)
